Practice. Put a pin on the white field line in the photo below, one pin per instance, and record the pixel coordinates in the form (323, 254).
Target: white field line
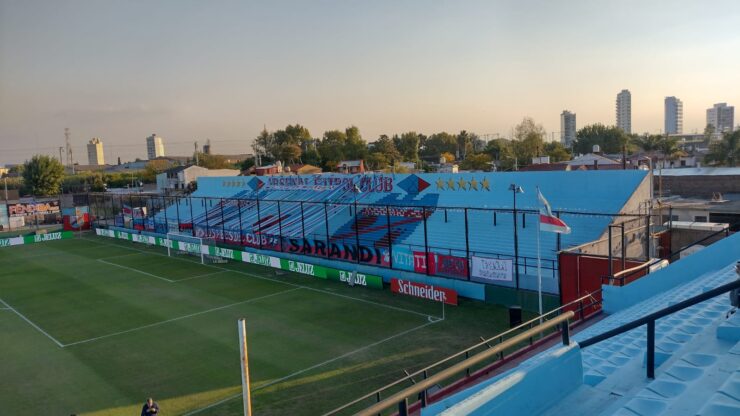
(121, 255)
(313, 367)
(136, 270)
(276, 280)
(180, 318)
(199, 276)
(32, 324)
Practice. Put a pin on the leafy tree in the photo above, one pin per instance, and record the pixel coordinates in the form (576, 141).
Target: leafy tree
(449, 157)
(610, 139)
(331, 148)
(385, 146)
(648, 142)
(247, 164)
(264, 143)
(408, 146)
(98, 183)
(528, 141)
(377, 161)
(479, 161)
(465, 142)
(43, 175)
(439, 143)
(557, 152)
(725, 152)
(213, 161)
(355, 147)
(289, 153)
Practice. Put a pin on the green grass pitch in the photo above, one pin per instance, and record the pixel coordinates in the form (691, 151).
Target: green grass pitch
(93, 326)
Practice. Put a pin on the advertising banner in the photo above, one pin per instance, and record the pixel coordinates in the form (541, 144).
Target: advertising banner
(24, 209)
(32, 239)
(14, 241)
(488, 270)
(226, 253)
(424, 291)
(449, 266)
(360, 279)
(261, 259)
(303, 268)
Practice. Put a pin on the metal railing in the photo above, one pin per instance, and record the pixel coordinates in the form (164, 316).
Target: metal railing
(650, 319)
(582, 306)
(622, 277)
(401, 398)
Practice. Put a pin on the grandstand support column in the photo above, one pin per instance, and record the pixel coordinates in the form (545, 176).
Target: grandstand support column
(177, 210)
(223, 223)
(609, 247)
(557, 235)
(303, 223)
(648, 237)
(390, 237)
(164, 207)
(515, 189)
(624, 248)
(239, 215)
(131, 204)
(259, 225)
(280, 227)
(467, 241)
(205, 211)
(326, 225)
(357, 232)
(426, 239)
(192, 218)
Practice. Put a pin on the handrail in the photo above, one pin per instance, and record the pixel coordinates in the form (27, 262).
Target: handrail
(485, 342)
(621, 276)
(401, 397)
(651, 318)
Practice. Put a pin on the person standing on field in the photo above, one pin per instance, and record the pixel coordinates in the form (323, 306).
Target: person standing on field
(150, 408)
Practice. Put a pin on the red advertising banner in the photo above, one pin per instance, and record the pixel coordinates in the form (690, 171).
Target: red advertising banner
(424, 291)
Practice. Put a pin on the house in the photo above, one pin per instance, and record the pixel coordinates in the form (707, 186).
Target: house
(303, 169)
(448, 168)
(351, 166)
(274, 169)
(594, 160)
(178, 178)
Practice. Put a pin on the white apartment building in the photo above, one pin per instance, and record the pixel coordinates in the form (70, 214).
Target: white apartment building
(624, 111)
(673, 115)
(567, 128)
(154, 147)
(95, 154)
(721, 117)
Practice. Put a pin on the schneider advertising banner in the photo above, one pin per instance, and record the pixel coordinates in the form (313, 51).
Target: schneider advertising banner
(488, 270)
(424, 291)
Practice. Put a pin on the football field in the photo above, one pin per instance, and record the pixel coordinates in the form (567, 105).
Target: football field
(93, 326)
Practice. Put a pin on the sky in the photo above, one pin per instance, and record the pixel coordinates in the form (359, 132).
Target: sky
(221, 70)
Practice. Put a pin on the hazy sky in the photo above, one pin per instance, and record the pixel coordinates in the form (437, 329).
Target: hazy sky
(191, 70)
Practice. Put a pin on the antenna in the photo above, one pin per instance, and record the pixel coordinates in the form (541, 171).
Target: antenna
(68, 144)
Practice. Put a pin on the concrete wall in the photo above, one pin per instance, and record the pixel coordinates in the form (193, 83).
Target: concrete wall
(714, 257)
(700, 186)
(681, 238)
(529, 389)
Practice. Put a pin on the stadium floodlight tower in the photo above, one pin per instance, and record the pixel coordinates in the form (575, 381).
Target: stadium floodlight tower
(516, 189)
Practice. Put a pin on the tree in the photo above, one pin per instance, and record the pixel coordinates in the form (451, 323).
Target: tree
(43, 175)
(528, 141)
(98, 183)
(449, 157)
(264, 143)
(385, 146)
(557, 152)
(725, 152)
(648, 142)
(331, 148)
(610, 139)
(377, 161)
(408, 146)
(355, 147)
(289, 153)
(439, 143)
(479, 161)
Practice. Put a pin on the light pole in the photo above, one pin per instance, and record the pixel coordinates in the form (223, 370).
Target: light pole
(516, 189)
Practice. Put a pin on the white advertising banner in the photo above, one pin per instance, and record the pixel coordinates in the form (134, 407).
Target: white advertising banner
(492, 270)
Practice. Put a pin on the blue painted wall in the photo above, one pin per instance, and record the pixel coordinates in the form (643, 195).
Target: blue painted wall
(529, 389)
(712, 258)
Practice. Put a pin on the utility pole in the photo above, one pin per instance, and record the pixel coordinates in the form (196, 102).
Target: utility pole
(68, 142)
(60, 155)
(196, 153)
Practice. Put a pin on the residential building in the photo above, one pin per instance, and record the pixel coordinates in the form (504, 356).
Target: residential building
(351, 166)
(624, 111)
(721, 117)
(95, 154)
(178, 178)
(673, 115)
(567, 128)
(154, 147)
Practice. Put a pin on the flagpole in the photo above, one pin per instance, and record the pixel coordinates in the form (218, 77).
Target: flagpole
(539, 265)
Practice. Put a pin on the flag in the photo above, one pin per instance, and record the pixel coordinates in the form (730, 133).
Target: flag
(548, 221)
(127, 210)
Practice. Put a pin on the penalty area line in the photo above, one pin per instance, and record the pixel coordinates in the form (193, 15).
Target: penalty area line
(315, 366)
(136, 270)
(180, 318)
(38, 328)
